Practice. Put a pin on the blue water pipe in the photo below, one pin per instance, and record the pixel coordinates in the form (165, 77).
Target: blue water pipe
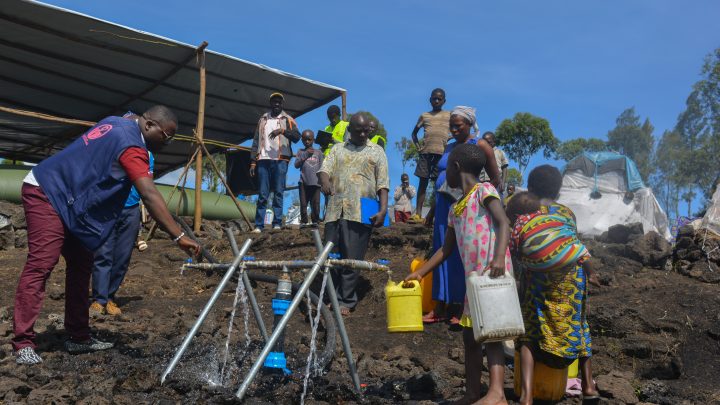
(276, 359)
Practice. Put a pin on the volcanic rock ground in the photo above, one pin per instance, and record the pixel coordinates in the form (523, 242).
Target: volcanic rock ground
(656, 332)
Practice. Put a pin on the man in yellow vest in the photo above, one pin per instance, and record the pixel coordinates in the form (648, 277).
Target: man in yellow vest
(337, 127)
(377, 139)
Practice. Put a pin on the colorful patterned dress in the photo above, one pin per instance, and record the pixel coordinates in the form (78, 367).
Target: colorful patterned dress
(554, 300)
(475, 234)
(448, 278)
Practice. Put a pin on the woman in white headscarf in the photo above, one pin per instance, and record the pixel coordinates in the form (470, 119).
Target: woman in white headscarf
(449, 278)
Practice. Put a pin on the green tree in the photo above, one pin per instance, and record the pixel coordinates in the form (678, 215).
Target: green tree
(668, 179)
(569, 150)
(633, 140)
(699, 126)
(514, 177)
(525, 135)
(688, 197)
(210, 177)
(408, 151)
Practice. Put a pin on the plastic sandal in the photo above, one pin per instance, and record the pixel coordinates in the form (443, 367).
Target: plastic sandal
(433, 318)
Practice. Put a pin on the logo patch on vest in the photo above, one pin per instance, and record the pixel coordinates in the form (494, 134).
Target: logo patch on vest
(96, 133)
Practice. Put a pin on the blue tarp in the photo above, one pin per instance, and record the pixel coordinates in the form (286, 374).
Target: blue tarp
(594, 163)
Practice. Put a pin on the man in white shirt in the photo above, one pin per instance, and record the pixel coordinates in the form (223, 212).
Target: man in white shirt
(270, 154)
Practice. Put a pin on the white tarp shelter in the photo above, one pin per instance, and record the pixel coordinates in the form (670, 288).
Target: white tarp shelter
(66, 64)
(605, 189)
(711, 220)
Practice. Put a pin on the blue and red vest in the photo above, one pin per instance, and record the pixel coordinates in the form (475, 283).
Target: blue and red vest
(85, 182)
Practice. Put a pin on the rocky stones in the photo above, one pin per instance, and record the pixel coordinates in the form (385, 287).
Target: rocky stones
(14, 385)
(139, 380)
(15, 214)
(656, 392)
(637, 348)
(686, 230)
(684, 242)
(622, 233)
(617, 386)
(650, 249)
(697, 255)
(12, 226)
(423, 385)
(701, 270)
(7, 238)
(52, 393)
(670, 368)
(457, 354)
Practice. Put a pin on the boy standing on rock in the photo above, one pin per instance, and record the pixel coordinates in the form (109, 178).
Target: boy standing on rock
(309, 160)
(353, 170)
(436, 125)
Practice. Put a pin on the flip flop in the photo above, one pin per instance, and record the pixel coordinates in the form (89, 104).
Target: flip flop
(592, 398)
(433, 318)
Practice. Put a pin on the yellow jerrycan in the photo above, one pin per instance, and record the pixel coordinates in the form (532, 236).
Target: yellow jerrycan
(425, 286)
(404, 306)
(548, 383)
(573, 369)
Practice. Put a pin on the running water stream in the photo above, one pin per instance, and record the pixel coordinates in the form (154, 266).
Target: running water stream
(246, 317)
(240, 294)
(312, 357)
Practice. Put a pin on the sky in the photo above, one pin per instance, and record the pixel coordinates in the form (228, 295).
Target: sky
(577, 64)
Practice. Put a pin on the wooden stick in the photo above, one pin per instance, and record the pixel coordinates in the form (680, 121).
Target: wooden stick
(46, 117)
(153, 227)
(182, 193)
(199, 135)
(222, 179)
(344, 105)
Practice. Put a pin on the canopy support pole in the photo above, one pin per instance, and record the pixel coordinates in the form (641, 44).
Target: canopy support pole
(201, 145)
(183, 175)
(344, 105)
(199, 135)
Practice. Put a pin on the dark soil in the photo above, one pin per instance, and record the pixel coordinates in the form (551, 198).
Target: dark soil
(656, 333)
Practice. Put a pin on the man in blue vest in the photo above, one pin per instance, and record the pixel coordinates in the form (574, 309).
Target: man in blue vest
(113, 257)
(72, 201)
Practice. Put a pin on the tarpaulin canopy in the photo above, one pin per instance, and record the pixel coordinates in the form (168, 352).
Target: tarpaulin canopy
(604, 189)
(59, 62)
(711, 220)
(594, 163)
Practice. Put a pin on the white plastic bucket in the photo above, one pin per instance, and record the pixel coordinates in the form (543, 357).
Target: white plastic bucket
(494, 307)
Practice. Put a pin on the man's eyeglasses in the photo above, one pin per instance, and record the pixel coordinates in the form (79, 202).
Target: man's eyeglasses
(166, 137)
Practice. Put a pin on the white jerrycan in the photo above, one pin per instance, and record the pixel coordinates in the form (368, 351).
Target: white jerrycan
(494, 307)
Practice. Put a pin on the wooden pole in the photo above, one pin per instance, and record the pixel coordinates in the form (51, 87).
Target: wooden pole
(227, 187)
(183, 175)
(344, 106)
(199, 135)
(46, 117)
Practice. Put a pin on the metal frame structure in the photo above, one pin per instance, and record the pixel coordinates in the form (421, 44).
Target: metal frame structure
(240, 265)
